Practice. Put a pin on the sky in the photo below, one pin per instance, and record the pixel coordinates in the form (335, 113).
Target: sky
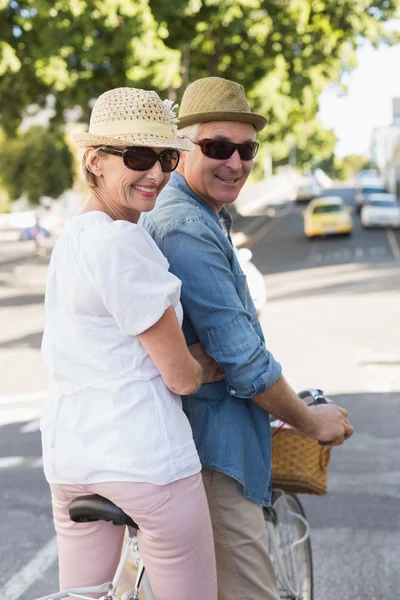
(368, 101)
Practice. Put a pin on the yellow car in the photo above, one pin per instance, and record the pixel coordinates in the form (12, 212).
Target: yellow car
(327, 216)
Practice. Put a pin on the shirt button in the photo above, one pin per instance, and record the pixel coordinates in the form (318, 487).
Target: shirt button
(233, 392)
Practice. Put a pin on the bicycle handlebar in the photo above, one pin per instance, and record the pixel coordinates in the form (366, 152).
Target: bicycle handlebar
(316, 394)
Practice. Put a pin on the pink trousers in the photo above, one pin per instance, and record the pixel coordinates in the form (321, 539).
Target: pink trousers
(175, 537)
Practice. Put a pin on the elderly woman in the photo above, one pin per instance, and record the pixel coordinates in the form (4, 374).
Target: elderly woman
(113, 423)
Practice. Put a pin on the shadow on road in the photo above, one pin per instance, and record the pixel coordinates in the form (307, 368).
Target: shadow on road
(15, 441)
(32, 340)
(21, 300)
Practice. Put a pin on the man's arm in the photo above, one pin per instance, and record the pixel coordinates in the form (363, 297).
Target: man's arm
(325, 422)
(223, 326)
(211, 301)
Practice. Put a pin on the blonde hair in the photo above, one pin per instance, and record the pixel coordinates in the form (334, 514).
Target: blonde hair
(88, 177)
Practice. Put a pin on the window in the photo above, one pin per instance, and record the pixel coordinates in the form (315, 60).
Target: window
(327, 208)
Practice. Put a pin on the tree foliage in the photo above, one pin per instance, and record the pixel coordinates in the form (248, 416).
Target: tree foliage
(36, 163)
(344, 168)
(284, 52)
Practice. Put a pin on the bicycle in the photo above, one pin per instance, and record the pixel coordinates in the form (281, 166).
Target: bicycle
(287, 535)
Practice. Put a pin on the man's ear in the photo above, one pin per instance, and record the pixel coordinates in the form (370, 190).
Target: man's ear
(94, 161)
(181, 166)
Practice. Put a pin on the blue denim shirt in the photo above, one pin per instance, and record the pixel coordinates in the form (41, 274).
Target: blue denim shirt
(232, 434)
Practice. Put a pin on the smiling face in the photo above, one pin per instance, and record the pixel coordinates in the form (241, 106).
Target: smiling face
(123, 190)
(218, 182)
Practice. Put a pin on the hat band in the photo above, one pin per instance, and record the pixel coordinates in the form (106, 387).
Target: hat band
(129, 127)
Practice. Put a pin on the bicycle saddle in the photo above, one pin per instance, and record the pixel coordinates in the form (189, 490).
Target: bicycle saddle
(97, 508)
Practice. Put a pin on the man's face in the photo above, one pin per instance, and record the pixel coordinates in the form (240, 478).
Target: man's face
(218, 182)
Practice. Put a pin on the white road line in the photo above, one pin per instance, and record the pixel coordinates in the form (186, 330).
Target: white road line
(20, 582)
(30, 427)
(10, 461)
(393, 245)
(28, 462)
(22, 397)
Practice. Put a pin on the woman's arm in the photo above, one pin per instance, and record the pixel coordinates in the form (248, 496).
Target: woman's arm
(165, 344)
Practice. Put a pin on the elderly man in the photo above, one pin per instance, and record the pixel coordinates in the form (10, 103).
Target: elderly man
(230, 418)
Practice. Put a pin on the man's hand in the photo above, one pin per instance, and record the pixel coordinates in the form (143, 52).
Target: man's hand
(329, 423)
(211, 373)
(324, 422)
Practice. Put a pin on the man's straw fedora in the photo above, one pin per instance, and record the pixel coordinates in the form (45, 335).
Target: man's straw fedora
(131, 117)
(217, 99)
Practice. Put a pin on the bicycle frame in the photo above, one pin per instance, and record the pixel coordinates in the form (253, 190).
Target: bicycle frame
(109, 588)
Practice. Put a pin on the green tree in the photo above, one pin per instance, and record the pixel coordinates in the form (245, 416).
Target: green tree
(74, 50)
(36, 163)
(283, 52)
(344, 168)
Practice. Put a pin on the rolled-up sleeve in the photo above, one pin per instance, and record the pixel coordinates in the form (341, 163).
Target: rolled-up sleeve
(211, 301)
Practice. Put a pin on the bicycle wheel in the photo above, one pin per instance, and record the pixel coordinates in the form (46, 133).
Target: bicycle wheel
(289, 545)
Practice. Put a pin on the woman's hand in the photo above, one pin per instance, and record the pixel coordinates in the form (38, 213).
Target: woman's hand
(211, 373)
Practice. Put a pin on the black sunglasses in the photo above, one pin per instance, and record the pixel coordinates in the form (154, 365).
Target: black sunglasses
(222, 150)
(140, 158)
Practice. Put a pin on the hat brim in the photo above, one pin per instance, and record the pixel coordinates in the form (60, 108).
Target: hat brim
(258, 121)
(86, 139)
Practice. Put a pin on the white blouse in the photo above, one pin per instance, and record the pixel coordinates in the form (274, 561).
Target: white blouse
(109, 415)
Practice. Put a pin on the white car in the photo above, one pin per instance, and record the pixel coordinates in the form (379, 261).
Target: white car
(307, 190)
(381, 210)
(255, 279)
(367, 187)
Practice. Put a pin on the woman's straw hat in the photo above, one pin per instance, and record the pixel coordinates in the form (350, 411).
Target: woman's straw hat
(131, 117)
(217, 99)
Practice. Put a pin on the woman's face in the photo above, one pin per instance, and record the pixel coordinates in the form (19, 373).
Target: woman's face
(131, 190)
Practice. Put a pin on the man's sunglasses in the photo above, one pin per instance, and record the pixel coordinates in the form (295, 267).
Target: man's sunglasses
(222, 150)
(141, 158)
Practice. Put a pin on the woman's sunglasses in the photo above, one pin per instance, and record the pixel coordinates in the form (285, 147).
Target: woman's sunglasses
(140, 158)
(222, 150)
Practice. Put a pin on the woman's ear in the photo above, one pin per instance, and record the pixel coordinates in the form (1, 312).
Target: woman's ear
(94, 161)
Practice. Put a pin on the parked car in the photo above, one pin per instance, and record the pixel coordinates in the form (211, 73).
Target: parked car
(368, 187)
(255, 279)
(327, 216)
(381, 210)
(307, 191)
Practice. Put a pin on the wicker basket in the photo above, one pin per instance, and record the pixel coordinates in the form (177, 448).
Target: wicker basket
(299, 463)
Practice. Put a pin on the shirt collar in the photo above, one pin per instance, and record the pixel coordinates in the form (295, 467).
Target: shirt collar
(179, 182)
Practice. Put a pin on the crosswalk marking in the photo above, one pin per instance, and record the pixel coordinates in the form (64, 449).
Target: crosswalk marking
(346, 255)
